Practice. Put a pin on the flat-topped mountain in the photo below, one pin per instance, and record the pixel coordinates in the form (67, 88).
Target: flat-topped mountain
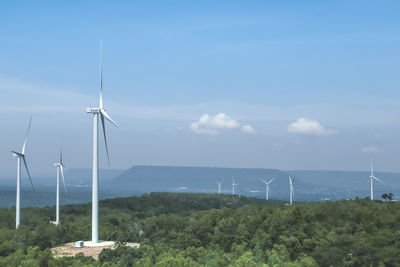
(203, 179)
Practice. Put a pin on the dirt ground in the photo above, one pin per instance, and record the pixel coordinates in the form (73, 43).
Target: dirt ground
(68, 249)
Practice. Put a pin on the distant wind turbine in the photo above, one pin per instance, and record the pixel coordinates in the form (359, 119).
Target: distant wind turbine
(291, 190)
(220, 186)
(60, 169)
(371, 180)
(233, 186)
(19, 156)
(95, 189)
(267, 187)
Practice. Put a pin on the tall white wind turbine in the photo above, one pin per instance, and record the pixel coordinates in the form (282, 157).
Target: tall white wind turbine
(267, 191)
(371, 180)
(291, 191)
(220, 186)
(19, 156)
(99, 111)
(60, 170)
(233, 186)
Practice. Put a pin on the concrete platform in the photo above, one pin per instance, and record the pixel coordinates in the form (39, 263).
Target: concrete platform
(89, 249)
(99, 244)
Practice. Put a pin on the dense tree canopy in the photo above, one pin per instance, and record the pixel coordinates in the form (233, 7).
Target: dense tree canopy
(210, 230)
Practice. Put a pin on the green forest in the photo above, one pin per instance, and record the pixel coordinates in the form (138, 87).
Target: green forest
(210, 230)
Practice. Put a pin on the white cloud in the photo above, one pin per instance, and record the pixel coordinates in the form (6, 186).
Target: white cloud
(212, 125)
(195, 127)
(368, 149)
(306, 126)
(221, 121)
(247, 128)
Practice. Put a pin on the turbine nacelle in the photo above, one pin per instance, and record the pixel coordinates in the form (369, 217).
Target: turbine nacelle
(16, 154)
(93, 110)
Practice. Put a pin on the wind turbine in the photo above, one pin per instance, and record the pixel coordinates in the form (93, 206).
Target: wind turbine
(371, 180)
(267, 187)
(98, 111)
(291, 191)
(233, 186)
(60, 169)
(19, 156)
(220, 186)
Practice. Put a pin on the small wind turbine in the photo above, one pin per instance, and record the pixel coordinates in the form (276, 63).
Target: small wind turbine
(95, 188)
(291, 191)
(233, 186)
(60, 169)
(371, 180)
(220, 186)
(267, 187)
(19, 156)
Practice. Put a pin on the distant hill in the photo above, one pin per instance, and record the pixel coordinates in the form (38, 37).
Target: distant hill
(83, 177)
(309, 185)
(203, 179)
(137, 180)
(348, 184)
(73, 177)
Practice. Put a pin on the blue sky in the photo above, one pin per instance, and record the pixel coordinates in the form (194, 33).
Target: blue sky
(264, 64)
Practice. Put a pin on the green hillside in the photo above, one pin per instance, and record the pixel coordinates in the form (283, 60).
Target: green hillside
(211, 230)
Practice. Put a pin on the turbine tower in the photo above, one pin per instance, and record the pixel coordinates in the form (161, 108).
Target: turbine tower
(267, 187)
(233, 186)
(220, 186)
(98, 111)
(19, 156)
(60, 169)
(291, 191)
(371, 180)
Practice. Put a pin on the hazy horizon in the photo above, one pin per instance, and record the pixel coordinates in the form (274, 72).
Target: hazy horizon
(10, 173)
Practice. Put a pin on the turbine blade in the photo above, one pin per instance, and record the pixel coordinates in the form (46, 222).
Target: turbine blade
(104, 113)
(105, 136)
(26, 137)
(27, 171)
(271, 180)
(61, 159)
(63, 179)
(372, 169)
(101, 74)
(377, 180)
(263, 181)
